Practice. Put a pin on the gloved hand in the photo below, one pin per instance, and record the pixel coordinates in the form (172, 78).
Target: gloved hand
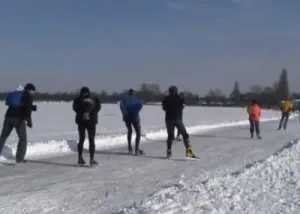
(29, 123)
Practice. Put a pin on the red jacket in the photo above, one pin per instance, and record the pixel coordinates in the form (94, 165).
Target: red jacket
(254, 112)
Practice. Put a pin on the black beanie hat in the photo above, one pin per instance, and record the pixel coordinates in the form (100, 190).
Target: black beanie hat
(29, 86)
(85, 91)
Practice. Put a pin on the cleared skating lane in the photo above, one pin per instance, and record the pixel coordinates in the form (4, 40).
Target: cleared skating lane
(58, 186)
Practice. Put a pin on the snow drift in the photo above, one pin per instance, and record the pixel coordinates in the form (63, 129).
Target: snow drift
(266, 186)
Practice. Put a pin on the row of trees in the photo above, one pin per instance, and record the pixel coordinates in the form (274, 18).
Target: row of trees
(151, 93)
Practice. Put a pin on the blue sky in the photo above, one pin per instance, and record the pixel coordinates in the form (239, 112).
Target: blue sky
(61, 45)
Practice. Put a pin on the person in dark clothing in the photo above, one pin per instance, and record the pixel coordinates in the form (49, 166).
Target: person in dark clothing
(130, 107)
(173, 106)
(178, 132)
(18, 116)
(86, 108)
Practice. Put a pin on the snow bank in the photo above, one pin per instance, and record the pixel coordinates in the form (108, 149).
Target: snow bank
(267, 186)
(106, 141)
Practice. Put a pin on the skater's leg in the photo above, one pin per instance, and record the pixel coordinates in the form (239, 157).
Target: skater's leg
(20, 126)
(91, 135)
(181, 128)
(281, 121)
(6, 130)
(137, 128)
(129, 133)
(170, 125)
(257, 128)
(178, 135)
(81, 132)
(286, 120)
(251, 127)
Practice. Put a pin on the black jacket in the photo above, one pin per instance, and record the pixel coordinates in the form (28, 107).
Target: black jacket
(80, 109)
(22, 112)
(173, 106)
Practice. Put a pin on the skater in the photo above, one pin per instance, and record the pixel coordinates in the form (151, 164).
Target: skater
(178, 132)
(130, 107)
(18, 116)
(173, 106)
(86, 108)
(286, 109)
(254, 113)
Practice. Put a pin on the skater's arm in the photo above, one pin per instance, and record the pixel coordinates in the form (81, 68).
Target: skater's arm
(97, 104)
(75, 105)
(164, 104)
(139, 104)
(182, 103)
(290, 106)
(123, 107)
(27, 104)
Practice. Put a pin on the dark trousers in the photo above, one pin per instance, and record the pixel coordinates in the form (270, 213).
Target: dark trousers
(254, 126)
(170, 125)
(20, 125)
(135, 123)
(178, 134)
(284, 120)
(91, 130)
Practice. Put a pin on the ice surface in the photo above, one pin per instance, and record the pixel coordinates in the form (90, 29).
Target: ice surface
(58, 186)
(55, 133)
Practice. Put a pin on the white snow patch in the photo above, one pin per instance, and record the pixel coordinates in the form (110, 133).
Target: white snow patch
(267, 186)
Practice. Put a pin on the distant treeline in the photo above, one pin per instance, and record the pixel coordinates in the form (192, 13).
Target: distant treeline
(269, 96)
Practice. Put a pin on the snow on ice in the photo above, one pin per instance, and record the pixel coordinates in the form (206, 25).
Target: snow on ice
(266, 186)
(55, 186)
(55, 133)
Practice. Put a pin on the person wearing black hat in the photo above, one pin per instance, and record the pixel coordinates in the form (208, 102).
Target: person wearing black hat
(86, 108)
(173, 106)
(18, 116)
(130, 107)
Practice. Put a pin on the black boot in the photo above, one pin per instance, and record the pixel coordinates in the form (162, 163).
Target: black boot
(169, 154)
(93, 163)
(139, 152)
(81, 161)
(130, 151)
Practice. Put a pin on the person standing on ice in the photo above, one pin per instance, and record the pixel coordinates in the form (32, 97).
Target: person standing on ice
(173, 106)
(286, 109)
(254, 113)
(18, 116)
(86, 108)
(130, 107)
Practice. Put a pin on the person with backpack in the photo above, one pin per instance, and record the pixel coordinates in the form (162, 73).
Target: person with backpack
(18, 116)
(173, 106)
(86, 108)
(254, 113)
(130, 107)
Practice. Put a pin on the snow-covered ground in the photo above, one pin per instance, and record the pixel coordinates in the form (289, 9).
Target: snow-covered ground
(218, 183)
(55, 132)
(266, 186)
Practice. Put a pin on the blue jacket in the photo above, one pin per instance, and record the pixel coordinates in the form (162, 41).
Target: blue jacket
(131, 106)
